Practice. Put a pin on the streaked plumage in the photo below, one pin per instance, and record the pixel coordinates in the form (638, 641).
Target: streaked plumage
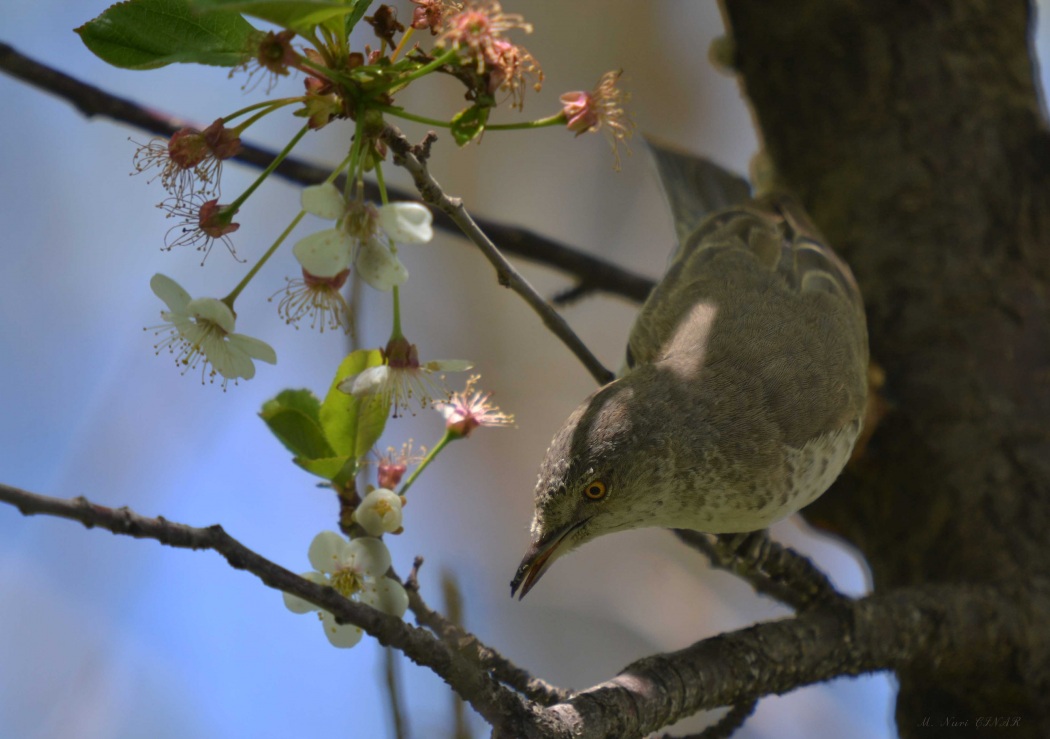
(744, 387)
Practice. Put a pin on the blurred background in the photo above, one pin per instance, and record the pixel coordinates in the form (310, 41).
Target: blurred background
(104, 636)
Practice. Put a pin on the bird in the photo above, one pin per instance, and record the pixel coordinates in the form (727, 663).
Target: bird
(743, 388)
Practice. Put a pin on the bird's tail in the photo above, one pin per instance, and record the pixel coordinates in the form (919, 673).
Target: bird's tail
(695, 187)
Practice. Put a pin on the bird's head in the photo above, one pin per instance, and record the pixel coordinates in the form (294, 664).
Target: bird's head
(601, 472)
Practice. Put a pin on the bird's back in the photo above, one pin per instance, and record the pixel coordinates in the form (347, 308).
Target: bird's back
(757, 308)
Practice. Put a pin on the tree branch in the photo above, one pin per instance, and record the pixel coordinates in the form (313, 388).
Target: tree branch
(475, 650)
(726, 726)
(411, 159)
(590, 273)
(392, 679)
(772, 569)
(937, 629)
(484, 693)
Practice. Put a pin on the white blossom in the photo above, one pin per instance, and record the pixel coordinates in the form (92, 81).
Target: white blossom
(380, 512)
(325, 253)
(201, 330)
(380, 267)
(356, 569)
(363, 234)
(402, 377)
(407, 223)
(324, 201)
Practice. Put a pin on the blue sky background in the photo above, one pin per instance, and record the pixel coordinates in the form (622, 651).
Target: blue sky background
(104, 636)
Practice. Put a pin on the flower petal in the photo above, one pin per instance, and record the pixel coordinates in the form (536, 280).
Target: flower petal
(254, 348)
(407, 223)
(448, 365)
(379, 267)
(212, 310)
(228, 360)
(369, 556)
(189, 330)
(343, 636)
(372, 380)
(380, 512)
(386, 595)
(295, 604)
(347, 384)
(324, 200)
(329, 552)
(170, 292)
(325, 253)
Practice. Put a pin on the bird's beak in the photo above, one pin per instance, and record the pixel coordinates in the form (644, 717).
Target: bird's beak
(539, 558)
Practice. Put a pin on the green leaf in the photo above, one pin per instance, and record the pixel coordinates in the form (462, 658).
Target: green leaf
(371, 420)
(146, 34)
(351, 424)
(360, 8)
(469, 123)
(329, 468)
(297, 15)
(294, 418)
(303, 401)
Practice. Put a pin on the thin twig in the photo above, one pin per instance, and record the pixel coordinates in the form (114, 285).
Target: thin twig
(571, 295)
(726, 726)
(393, 692)
(772, 569)
(596, 274)
(432, 194)
(486, 695)
(477, 651)
(454, 609)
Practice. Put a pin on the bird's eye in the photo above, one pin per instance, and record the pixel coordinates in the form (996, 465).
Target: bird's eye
(595, 490)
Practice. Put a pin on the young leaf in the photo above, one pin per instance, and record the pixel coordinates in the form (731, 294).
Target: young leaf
(350, 422)
(469, 123)
(360, 8)
(294, 418)
(329, 468)
(371, 420)
(303, 401)
(297, 15)
(146, 34)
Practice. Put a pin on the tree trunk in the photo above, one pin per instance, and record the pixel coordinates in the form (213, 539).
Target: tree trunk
(913, 131)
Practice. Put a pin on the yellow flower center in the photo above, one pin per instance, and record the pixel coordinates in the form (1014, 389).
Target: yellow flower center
(347, 582)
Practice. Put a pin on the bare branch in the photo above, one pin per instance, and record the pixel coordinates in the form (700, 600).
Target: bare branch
(959, 629)
(727, 725)
(948, 630)
(453, 599)
(590, 272)
(392, 679)
(485, 694)
(432, 194)
(772, 569)
(477, 651)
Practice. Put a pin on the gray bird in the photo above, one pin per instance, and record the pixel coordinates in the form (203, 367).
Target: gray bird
(744, 387)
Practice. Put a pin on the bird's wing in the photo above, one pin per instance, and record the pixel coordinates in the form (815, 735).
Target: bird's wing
(718, 225)
(754, 287)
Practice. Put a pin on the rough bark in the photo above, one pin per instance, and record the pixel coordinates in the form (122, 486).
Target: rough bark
(914, 134)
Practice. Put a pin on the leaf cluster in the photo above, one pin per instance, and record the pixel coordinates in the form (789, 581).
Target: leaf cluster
(330, 438)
